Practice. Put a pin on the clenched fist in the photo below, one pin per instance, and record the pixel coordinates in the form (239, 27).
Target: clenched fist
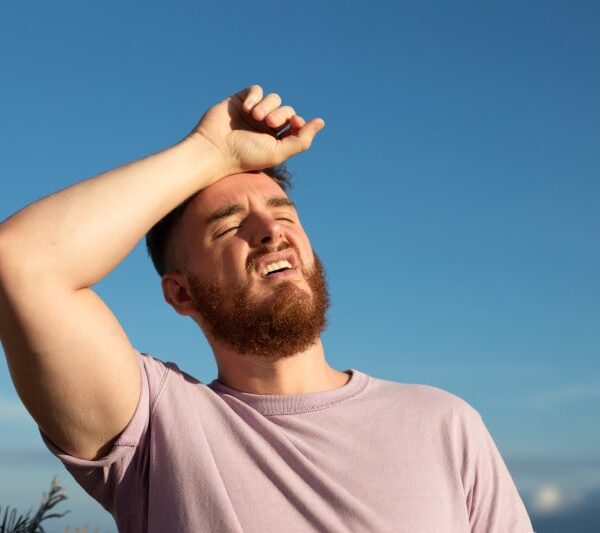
(251, 131)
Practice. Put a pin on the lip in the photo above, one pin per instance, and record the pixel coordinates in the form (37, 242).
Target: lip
(284, 255)
(290, 273)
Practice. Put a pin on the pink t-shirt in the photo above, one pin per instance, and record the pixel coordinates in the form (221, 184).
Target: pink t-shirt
(371, 456)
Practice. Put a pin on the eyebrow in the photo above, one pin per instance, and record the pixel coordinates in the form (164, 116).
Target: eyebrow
(232, 209)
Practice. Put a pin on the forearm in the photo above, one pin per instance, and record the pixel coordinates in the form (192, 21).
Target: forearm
(78, 235)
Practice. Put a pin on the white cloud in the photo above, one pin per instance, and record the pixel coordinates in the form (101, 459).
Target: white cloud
(551, 499)
(548, 499)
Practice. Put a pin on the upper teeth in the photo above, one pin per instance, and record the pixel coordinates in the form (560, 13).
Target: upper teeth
(276, 266)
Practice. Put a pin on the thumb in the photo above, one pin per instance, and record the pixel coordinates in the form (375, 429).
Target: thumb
(301, 139)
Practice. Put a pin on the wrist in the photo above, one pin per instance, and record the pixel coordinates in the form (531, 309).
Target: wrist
(208, 159)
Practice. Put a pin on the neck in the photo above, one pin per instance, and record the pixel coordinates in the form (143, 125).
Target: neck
(301, 373)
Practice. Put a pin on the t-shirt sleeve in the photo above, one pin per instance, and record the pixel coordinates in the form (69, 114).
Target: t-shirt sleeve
(493, 502)
(117, 480)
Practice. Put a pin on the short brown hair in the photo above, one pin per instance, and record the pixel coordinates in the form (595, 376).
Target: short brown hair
(157, 239)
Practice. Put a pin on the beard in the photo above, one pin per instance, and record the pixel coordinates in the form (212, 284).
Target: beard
(286, 322)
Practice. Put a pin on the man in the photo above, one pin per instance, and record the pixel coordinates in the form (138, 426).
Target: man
(280, 441)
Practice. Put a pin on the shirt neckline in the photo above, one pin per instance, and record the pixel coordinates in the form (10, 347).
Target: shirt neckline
(289, 404)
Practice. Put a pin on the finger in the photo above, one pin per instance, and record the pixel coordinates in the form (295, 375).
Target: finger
(295, 123)
(302, 139)
(278, 117)
(266, 105)
(250, 96)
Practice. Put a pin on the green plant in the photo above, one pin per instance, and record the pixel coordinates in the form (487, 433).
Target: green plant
(12, 522)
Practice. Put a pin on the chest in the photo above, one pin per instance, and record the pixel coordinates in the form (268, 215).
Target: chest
(247, 472)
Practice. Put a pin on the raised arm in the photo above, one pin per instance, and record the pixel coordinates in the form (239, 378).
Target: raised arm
(70, 360)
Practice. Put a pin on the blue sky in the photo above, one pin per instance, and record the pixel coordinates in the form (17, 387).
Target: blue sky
(452, 195)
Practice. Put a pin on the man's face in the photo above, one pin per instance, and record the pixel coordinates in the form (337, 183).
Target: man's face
(254, 280)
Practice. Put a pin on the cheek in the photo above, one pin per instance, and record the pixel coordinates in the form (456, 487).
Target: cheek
(205, 264)
(310, 261)
(305, 249)
(218, 260)
(231, 261)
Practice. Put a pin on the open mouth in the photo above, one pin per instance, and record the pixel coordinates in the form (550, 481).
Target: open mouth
(276, 267)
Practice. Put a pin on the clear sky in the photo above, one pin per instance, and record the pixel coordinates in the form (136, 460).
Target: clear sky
(453, 195)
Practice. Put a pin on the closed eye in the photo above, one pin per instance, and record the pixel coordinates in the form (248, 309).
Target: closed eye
(220, 234)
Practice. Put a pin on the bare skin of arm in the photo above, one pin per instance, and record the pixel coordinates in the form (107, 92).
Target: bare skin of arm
(70, 360)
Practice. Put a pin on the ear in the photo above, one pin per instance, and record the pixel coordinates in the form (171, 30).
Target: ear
(176, 293)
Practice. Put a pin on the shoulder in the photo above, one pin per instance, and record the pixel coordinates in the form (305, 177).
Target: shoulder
(155, 367)
(421, 393)
(161, 375)
(425, 401)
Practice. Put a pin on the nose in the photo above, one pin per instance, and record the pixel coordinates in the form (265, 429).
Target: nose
(266, 230)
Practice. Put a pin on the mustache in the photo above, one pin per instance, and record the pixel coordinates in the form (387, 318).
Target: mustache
(265, 250)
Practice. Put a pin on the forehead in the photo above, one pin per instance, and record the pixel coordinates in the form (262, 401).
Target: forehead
(246, 188)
